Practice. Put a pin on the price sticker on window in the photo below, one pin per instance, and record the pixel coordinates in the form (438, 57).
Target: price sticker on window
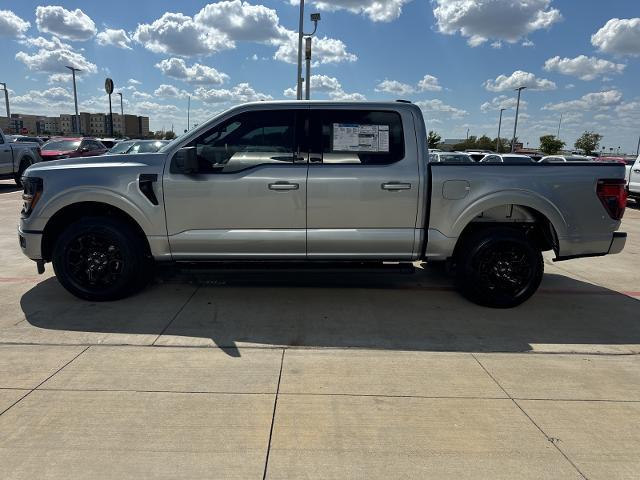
(353, 137)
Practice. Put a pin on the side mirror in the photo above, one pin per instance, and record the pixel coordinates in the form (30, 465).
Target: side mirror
(185, 161)
(84, 150)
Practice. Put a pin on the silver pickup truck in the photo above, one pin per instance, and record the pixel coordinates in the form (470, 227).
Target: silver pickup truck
(16, 157)
(315, 182)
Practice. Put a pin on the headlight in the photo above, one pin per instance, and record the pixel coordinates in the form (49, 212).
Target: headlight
(31, 195)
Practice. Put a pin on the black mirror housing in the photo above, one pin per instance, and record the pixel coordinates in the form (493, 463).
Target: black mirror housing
(185, 161)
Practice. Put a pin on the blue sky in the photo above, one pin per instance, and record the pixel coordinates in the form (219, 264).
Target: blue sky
(458, 59)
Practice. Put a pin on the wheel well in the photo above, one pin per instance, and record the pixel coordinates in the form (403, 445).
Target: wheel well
(78, 211)
(535, 225)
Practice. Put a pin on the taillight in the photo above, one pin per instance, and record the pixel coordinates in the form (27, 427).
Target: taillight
(613, 195)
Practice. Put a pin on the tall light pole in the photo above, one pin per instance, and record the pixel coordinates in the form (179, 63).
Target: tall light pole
(188, 113)
(315, 18)
(515, 124)
(307, 77)
(559, 123)
(499, 128)
(638, 149)
(75, 96)
(6, 102)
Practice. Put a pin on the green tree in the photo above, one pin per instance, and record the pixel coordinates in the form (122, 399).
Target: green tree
(549, 144)
(169, 135)
(433, 139)
(468, 144)
(485, 143)
(588, 142)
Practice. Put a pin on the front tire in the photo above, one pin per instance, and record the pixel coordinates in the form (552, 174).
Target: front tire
(101, 259)
(24, 164)
(498, 268)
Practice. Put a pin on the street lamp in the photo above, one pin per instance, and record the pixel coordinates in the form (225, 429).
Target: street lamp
(75, 96)
(559, 123)
(315, 18)
(499, 128)
(6, 102)
(515, 124)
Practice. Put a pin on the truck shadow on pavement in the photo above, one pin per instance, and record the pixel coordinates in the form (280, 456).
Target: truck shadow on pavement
(420, 311)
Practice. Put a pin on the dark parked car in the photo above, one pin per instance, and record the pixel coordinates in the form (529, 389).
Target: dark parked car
(69, 147)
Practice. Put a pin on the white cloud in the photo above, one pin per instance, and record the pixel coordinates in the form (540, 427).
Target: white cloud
(241, 93)
(569, 86)
(518, 79)
(583, 67)
(429, 83)
(482, 20)
(44, 102)
(67, 24)
(118, 38)
(242, 21)
(12, 25)
(138, 95)
(395, 87)
(502, 101)
(61, 78)
(170, 91)
(325, 50)
(327, 85)
(527, 43)
(133, 81)
(376, 10)
(590, 101)
(436, 107)
(618, 36)
(197, 74)
(178, 34)
(153, 108)
(53, 56)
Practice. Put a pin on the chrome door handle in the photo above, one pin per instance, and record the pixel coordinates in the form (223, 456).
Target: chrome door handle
(395, 186)
(283, 186)
(637, 170)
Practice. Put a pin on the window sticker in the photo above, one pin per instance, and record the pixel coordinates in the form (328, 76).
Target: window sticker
(353, 137)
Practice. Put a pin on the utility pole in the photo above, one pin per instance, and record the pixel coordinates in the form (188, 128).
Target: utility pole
(515, 124)
(75, 96)
(559, 123)
(300, 35)
(188, 113)
(499, 128)
(467, 133)
(121, 110)
(6, 102)
(307, 57)
(637, 149)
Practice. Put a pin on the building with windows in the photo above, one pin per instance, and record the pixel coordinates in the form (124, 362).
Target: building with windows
(95, 124)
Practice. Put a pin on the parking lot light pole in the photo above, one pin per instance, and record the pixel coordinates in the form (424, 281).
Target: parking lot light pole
(6, 102)
(515, 123)
(499, 128)
(75, 96)
(559, 124)
(300, 35)
(638, 148)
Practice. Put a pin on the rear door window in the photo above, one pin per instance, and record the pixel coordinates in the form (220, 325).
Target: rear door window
(357, 137)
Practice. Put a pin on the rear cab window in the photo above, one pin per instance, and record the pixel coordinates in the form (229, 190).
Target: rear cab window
(356, 137)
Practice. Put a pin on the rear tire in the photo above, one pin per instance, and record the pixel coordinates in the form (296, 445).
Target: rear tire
(498, 268)
(101, 259)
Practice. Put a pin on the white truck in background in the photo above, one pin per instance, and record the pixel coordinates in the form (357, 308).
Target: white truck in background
(16, 157)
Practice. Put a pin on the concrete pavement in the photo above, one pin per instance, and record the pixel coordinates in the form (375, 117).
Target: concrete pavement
(313, 375)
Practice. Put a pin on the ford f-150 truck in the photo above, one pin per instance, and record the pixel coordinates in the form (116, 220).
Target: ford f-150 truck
(16, 157)
(315, 182)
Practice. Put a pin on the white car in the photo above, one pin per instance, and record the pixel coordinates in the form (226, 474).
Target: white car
(449, 157)
(634, 181)
(565, 158)
(506, 158)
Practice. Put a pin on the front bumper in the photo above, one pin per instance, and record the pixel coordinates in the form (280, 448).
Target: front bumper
(618, 242)
(30, 243)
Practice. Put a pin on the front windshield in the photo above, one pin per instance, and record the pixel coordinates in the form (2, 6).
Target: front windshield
(61, 145)
(122, 147)
(147, 147)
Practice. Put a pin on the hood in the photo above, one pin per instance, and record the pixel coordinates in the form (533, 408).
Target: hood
(101, 161)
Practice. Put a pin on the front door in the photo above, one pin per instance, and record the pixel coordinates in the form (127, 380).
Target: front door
(363, 188)
(634, 177)
(248, 200)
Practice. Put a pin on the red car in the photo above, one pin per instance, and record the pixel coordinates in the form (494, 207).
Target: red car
(58, 148)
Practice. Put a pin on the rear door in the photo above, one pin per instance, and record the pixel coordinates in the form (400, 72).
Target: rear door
(249, 199)
(362, 189)
(6, 157)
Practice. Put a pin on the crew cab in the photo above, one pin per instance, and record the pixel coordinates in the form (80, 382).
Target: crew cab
(16, 157)
(315, 182)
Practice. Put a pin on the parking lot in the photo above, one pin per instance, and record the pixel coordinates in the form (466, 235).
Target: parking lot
(289, 374)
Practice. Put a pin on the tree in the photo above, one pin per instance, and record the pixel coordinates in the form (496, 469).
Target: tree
(169, 135)
(485, 143)
(433, 139)
(588, 142)
(549, 144)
